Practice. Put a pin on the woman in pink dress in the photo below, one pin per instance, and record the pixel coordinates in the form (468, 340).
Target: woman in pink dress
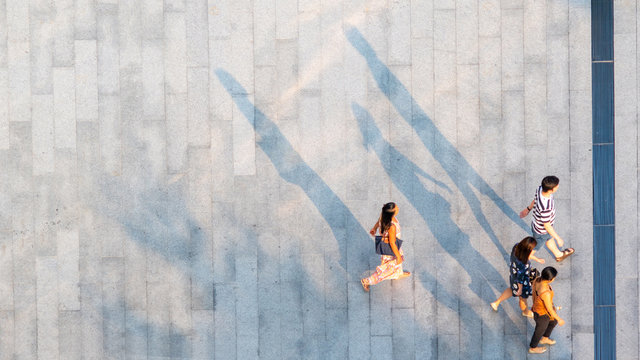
(390, 265)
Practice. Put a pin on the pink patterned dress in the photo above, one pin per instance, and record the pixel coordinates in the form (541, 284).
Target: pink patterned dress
(389, 268)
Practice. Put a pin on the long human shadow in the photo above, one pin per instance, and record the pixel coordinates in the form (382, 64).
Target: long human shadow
(434, 209)
(456, 166)
(293, 169)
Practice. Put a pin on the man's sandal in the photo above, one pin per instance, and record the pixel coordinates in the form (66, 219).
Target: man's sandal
(364, 286)
(565, 254)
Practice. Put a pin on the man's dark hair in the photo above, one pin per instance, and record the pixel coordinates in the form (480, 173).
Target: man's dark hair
(549, 182)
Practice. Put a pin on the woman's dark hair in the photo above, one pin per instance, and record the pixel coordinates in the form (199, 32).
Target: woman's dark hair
(524, 248)
(548, 273)
(549, 182)
(388, 210)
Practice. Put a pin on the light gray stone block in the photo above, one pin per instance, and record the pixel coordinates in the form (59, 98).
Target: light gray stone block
(421, 20)
(21, 169)
(269, 321)
(380, 304)
(625, 74)
(4, 110)
(535, 102)
(113, 309)
(177, 126)
(219, 20)
(264, 32)
(403, 334)
(286, 19)
(130, 20)
(25, 317)
(400, 33)
(513, 115)
(197, 33)
(579, 49)
(174, 5)
(558, 148)
(3, 34)
(309, 51)
(158, 318)
(400, 131)
(17, 17)
(358, 314)
(42, 135)
(110, 134)
(136, 331)
(225, 334)
(47, 307)
(19, 78)
(557, 18)
(244, 141)
(203, 332)
(448, 346)
(68, 257)
(489, 18)
(180, 327)
(468, 119)
(247, 314)
(626, 317)
(535, 32)
(6, 274)
(107, 49)
(467, 21)
(135, 263)
(512, 49)
(421, 80)
(471, 335)
(583, 345)
(448, 303)
(63, 38)
(153, 19)
(70, 334)
(489, 80)
(86, 80)
(153, 79)
(445, 115)
(511, 4)
(198, 124)
(625, 14)
(313, 314)
(7, 350)
(557, 76)
(443, 38)
(85, 20)
(382, 346)
(175, 65)
(64, 108)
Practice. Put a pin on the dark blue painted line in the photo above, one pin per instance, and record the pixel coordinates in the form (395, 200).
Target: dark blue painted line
(603, 126)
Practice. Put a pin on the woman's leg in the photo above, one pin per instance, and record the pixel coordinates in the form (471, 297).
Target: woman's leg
(552, 324)
(542, 324)
(504, 296)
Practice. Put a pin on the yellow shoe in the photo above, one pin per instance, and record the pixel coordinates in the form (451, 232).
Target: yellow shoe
(547, 341)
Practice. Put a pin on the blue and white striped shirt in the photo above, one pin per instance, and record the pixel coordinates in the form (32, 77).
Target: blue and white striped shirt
(544, 211)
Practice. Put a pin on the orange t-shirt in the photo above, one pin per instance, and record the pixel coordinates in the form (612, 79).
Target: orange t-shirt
(538, 305)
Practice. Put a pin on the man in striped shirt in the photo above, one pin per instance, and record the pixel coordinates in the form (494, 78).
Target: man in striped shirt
(544, 215)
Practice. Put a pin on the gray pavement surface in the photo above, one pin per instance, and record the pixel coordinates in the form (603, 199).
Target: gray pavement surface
(187, 179)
